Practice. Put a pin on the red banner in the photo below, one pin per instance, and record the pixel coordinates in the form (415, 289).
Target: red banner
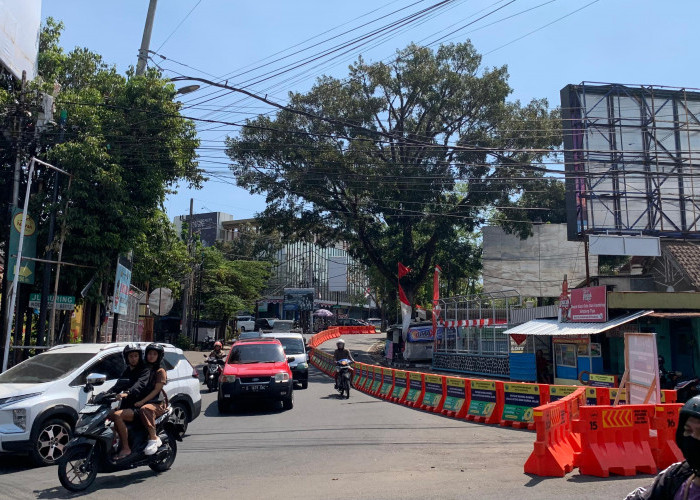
(589, 305)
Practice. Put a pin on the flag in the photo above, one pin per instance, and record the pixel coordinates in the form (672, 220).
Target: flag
(405, 304)
(436, 299)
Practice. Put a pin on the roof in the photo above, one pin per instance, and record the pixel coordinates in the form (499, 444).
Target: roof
(687, 256)
(94, 348)
(279, 335)
(675, 315)
(553, 327)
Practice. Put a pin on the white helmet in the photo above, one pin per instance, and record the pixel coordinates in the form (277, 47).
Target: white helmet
(340, 343)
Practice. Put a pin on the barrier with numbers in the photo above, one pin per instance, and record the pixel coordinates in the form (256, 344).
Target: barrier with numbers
(456, 397)
(485, 401)
(664, 447)
(616, 440)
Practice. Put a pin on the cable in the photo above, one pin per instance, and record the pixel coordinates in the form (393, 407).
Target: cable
(176, 27)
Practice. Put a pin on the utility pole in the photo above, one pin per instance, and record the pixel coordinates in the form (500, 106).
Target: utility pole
(186, 292)
(146, 39)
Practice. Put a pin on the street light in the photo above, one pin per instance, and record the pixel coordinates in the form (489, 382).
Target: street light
(186, 89)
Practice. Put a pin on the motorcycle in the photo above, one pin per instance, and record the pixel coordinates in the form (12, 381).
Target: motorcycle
(344, 374)
(214, 368)
(95, 442)
(687, 389)
(207, 344)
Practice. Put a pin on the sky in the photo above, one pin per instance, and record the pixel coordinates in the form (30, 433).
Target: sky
(546, 44)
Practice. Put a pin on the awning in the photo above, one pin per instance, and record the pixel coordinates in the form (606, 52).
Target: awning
(675, 315)
(553, 327)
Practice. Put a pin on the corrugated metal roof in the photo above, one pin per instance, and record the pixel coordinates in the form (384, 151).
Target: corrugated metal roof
(553, 327)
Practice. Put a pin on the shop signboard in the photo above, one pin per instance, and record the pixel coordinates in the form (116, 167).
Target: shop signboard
(433, 390)
(455, 394)
(519, 400)
(63, 302)
(589, 305)
(483, 398)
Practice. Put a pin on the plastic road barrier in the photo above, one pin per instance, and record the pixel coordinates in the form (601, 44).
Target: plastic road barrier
(456, 395)
(485, 401)
(668, 396)
(518, 403)
(377, 381)
(664, 447)
(434, 393)
(357, 374)
(370, 379)
(398, 395)
(553, 453)
(415, 390)
(597, 396)
(616, 440)
(387, 383)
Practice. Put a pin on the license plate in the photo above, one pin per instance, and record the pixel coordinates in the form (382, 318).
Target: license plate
(256, 387)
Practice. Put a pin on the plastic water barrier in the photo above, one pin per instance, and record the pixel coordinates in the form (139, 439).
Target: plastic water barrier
(575, 426)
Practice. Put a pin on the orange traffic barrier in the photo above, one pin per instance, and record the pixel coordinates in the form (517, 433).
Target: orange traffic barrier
(556, 392)
(434, 393)
(357, 374)
(485, 401)
(387, 383)
(668, 396)
(597, 396)
(616, 440)
(553, 454)
(456, 397)
(519, 400)
(369, 378)
(377, 381)
(664, 447)
(414, 397)
(398, 394)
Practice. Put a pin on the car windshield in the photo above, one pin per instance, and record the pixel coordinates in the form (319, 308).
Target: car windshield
(282, 326)
(45, 367)
(292, 345)
(256, 353)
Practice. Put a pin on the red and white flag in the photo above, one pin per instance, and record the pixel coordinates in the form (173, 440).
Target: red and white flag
(436, 299)
(405, 304)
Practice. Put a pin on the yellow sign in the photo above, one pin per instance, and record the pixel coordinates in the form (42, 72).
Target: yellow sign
(433, 379)
(484, 385)
(29, 227)
(522, 388)
(455, 382)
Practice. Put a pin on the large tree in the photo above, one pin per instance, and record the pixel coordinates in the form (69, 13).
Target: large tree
(375, 159)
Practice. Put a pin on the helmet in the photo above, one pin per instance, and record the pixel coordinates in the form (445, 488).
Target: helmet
(159, 349)
(340, 342)
(690, 452)
(132, 348)
(218, 344)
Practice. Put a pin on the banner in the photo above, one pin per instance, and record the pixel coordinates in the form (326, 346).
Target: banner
(405, 304)
(122, 282)
(26, 269)
(519, 400)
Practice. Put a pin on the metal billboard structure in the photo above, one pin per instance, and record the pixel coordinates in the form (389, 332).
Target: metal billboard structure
(631, 159)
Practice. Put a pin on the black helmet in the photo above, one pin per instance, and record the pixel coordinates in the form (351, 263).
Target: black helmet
(689, 447)
(132, 348)
(159, 349)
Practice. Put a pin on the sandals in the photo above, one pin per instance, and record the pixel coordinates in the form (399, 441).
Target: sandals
(121, 456)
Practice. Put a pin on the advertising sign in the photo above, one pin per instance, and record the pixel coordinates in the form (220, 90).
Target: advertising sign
(455, 394)
(298, 299)
(20, 24)
(399, 384)
(483, 398)
(519, 400)
(337, 274)
(26, 269)
(433, 390)
(642, 368)
(387, 382)
(423, 333)
(414, 387)
(557, 392)
(589, 305)
(122, 281)
(63, 302)
(377, 379)
(595, 380)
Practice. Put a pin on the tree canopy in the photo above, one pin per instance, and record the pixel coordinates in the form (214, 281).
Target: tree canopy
(398, 159)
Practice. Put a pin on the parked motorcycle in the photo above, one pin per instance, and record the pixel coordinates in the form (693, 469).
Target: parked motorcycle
(207, 344)
(344, 374)
(687, 389)
(214, 368)
(95, 442)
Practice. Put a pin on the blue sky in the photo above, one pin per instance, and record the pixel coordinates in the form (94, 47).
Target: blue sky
(546, 44)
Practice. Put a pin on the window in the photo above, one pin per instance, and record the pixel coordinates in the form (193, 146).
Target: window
(45, 367)
(112, 365)
(171, 360)
(566, 355)
(256, 353)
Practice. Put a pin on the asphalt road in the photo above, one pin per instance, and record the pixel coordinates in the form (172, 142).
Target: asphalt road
(326, 447)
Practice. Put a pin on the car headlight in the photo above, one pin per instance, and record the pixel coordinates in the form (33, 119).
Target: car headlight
(281, 377)
(228, 378)
(14, 399)
(19, 418)
(302, 366)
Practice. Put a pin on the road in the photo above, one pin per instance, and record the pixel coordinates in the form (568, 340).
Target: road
(327, 447)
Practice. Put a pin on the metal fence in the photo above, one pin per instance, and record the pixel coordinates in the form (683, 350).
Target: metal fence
(129, 326)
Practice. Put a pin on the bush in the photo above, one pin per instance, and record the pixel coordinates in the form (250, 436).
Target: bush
(184, 342)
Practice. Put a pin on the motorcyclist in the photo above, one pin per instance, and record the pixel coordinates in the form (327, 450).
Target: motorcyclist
(218, 354)
(680, 480)
(341, 353)
(155, 403)
(131, 387)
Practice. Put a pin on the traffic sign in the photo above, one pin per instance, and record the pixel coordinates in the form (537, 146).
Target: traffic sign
(63, 302)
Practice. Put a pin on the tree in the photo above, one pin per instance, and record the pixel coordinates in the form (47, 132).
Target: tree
(375, 159)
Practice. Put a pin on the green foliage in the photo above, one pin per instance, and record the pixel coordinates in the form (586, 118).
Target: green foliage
(183, 342)
(126, 146)
(382, 170)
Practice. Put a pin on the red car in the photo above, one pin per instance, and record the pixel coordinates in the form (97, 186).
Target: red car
(256, 369)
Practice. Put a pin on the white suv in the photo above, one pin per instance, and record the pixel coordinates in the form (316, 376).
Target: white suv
(40, 397)
(245, 323)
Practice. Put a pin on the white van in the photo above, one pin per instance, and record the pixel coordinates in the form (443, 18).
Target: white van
(293, 345)
(245, 323)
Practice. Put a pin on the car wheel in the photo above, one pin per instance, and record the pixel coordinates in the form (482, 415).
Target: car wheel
(50, 441)
(288, 403)
(304, 384)
(181, 417)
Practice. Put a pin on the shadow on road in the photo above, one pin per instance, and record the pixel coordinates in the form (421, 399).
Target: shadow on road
(105, 482)
(14, 463)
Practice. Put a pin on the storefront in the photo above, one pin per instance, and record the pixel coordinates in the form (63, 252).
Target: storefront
(573, 351)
